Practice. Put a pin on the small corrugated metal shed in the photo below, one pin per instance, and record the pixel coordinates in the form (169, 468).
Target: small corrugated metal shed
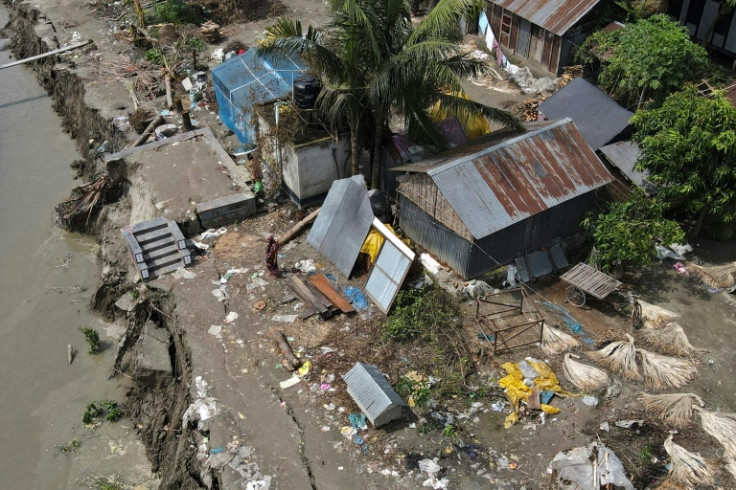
(483, 204)
(597, 116)
(247, 80)
(340, 229)
(624, 155)
(556, 16)
(374, 395)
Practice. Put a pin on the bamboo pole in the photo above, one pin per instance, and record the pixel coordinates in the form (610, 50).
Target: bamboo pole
(289, 235)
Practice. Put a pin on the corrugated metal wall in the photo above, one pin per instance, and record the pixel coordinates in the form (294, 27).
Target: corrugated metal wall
(504, 246)
(440, 241)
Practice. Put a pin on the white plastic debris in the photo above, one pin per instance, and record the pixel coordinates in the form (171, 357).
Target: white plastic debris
(284, 318)
(431, 265)
(215, 330)
(220, 294)
(184, 274)
(590, 400)
(429, 466)
(290, 382)
(575, 469)
(305, 266)
(212, 233)
(511, 272)
(231, 317)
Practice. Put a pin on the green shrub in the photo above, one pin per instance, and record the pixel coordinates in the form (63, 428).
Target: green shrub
(418, 312)
(178, 12)
(92, 338)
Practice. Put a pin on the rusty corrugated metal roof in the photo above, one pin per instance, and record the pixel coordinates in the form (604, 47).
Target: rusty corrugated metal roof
(522, 176)
(556, 16)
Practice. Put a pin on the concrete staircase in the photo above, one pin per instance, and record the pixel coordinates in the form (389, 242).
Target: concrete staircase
(157, 246)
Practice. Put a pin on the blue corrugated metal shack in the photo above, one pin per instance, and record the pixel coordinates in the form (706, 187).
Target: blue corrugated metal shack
(482, 204)
(247, 80)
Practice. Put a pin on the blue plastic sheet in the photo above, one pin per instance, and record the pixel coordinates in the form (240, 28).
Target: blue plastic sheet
(356, 297)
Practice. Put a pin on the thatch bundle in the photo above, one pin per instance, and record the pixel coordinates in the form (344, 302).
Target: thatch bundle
(722, 426)
(555, 341)
(654, 316)
(688, 468)
(619, 357)
(665, 372)
(585, 378)
(673, 408)
(715, 277)
(670, 339)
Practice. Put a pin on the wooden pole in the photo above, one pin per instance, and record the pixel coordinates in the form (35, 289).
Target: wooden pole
(290, 361)
(169, 95)
(147, 132)
(289, 235)
(46, 54)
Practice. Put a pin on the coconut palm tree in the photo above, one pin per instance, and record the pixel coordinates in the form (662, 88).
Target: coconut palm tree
(375, 65)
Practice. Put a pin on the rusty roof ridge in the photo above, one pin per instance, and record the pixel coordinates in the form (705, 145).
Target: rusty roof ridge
(465, 158)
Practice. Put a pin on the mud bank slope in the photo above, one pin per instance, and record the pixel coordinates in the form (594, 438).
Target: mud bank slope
(159, 398)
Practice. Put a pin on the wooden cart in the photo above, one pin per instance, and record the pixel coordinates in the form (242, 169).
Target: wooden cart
(584, 279)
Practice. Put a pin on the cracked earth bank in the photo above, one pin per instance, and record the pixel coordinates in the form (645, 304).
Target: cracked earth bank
(167, 348)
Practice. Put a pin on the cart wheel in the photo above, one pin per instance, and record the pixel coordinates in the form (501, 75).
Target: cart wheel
(636, 320)
(619, 300)
(575, 296)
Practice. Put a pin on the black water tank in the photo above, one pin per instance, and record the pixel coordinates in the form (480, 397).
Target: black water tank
(306, 90)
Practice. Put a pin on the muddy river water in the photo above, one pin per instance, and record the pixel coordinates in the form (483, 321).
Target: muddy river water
(46, 278)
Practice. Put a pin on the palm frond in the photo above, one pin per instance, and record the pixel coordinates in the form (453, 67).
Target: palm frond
(585, 378)
(670, 339)
(443, 21)
(555, 341)
(722, 426)
(655, 316)
(665, 372)
(673, 408)
(619, 357)
(688, 468)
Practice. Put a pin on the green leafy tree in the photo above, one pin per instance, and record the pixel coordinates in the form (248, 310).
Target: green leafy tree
(689, 147)
(626, 234)
(376, 65)
(647, 59)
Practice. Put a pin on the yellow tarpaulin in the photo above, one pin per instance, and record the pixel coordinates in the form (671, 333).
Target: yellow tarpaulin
(474, 126)
(373, 242)
(517, 391)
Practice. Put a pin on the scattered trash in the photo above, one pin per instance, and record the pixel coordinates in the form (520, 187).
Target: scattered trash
(259, 305)
(305, 368)
(486, 336)
(680, 268)
(290, 382)
(358, 421)
(498, 406)
(356, 297)
(590, 401)
(325, 428)
(284, 318)
(199, 245)
(231, 317)
(220, 294)
(325, 387)
(212, 233)
(348, 432)
(596, 463)
(215, 330)
(305, 266)
(517, 385)
(605, 427)
(184, 273)
(326, 350)
(431, 468)
(629, 424)
(201, 410)
(121, 123)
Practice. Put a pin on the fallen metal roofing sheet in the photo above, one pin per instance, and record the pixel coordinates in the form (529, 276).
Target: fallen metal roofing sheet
(597, 116)
(371, 391)
(340, 229)
(506, 183)
(542, 262)
(556, 16)
(624, 156)
(390, 269)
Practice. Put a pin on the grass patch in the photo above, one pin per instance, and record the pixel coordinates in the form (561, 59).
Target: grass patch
(92, 338)
(107, 409)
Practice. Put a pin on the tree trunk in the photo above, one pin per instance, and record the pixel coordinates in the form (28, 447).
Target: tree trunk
(699, 223)
(377, 156)
(354, 150)
(139, 12)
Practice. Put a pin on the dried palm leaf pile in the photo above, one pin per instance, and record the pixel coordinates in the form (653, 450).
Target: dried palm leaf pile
(722, 426)
(619, 357)
(670, 339)
(555, 341)
(665, 372)
(672, 408)
(688, 468)
(583, 377)
(654, 316)
(715, 277)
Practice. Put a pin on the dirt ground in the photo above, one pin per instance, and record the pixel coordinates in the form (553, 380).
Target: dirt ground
(295, 433)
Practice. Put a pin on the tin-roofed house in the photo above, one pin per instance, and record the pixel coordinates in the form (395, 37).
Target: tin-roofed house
(485, 203)
(543, 31)
(374, 395)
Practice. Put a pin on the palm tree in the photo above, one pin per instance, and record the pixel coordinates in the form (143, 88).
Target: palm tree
(375, 65)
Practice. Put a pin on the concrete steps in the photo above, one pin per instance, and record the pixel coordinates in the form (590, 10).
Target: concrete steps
(157, 246)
